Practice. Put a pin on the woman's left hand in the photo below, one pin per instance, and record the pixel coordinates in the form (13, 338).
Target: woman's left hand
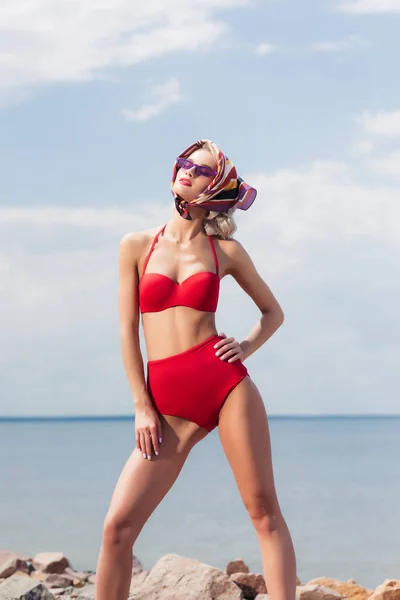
(228, 349)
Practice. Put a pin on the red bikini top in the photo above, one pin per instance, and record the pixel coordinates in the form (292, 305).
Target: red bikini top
(158, 292)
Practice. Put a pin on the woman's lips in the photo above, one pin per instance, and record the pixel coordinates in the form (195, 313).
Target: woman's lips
(185, 182)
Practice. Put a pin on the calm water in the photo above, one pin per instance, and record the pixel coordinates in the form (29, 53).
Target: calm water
(338, 482)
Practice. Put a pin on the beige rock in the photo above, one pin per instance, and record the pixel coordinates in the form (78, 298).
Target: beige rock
(350, 589)
(81, 575)
(38, 575)
(250, 583)
(51, 562)
(22, 574)
(59, 593)
(137, 580)
(9, 566)
(7, 554)
(176, 577)
(317, 592)
(88, 593)
(388, 590)
(22, 587)
(58, 580)
(236, 566)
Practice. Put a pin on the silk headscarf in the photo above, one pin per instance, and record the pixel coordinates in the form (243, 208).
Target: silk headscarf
(224, 191)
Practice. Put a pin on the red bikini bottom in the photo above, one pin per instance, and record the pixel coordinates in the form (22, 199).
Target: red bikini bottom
(193, 384)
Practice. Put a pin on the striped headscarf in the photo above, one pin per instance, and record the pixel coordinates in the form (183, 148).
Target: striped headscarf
(225, 190)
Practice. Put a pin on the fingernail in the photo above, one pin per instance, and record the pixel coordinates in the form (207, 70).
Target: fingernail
(217, 353)
(144, 454)
(156, 453)
(160, 440)
(149, 457)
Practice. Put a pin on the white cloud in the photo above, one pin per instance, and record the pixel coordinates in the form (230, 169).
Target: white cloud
(160, 97)
(362, 147)
(386, 165)
(385, 124)
(326, 202)
(46, 42)
(369, 6)
(264, 48)
(339, 45)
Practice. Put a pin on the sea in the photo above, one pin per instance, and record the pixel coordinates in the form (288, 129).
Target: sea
(337, 480)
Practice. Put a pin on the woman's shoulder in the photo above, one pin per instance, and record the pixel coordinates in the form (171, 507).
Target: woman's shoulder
(228, 245)
(139, 236)
(135, 241)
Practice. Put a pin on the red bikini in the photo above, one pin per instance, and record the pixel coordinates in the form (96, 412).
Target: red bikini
(195, 383)
(158, 292)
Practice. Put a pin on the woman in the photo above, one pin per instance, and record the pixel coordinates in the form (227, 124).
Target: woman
(196, 379)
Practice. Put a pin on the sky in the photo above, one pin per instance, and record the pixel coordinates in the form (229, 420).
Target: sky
(96, 101)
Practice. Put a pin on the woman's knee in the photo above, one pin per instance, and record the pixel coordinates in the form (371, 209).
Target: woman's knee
(264, 511)
(118, 531)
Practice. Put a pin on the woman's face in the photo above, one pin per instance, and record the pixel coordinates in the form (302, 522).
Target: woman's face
(194, 184)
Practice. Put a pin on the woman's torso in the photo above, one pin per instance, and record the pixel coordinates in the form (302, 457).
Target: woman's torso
(168, 275)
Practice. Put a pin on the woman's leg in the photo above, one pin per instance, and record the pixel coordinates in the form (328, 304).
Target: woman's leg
(141, 486)
(244, 434)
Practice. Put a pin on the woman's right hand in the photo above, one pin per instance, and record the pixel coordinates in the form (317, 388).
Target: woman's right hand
(148, 431)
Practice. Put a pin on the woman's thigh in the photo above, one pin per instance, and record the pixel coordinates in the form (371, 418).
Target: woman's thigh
(143, 483)
(244, 433)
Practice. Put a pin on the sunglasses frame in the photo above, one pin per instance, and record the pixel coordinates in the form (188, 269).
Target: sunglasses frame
(198, 168)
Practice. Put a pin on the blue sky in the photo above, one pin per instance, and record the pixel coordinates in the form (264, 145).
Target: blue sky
(97, 99)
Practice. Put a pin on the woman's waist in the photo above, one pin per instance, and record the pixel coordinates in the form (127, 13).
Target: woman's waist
(164, 338)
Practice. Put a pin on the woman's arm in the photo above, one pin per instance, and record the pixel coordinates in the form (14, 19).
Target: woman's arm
(147, 423)
(128, 306)
(242, 268)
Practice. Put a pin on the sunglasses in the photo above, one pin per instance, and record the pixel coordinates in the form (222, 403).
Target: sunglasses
(186, 163)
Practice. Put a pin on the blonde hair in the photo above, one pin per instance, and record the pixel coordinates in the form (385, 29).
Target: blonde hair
(219, 224)
(216, 223)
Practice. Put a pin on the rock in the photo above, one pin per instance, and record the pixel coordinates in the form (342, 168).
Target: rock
(137, 566)
(350, 589)
(236, 566)
(60, 581)
(39, 575)
(87, 593)
(77, 575)
(22, 574)
(51, 562)
(18, 587)
(388, 590)
(137, 580)
(8, 566)
(316, 592)
(7, 554)
(174, 577)
(250, 583)
(59, 592)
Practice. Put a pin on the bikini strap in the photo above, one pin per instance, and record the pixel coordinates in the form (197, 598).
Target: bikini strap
(151, 248)
(214, 252)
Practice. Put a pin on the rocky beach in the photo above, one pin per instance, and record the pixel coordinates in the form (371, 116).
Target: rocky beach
(49, 576)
